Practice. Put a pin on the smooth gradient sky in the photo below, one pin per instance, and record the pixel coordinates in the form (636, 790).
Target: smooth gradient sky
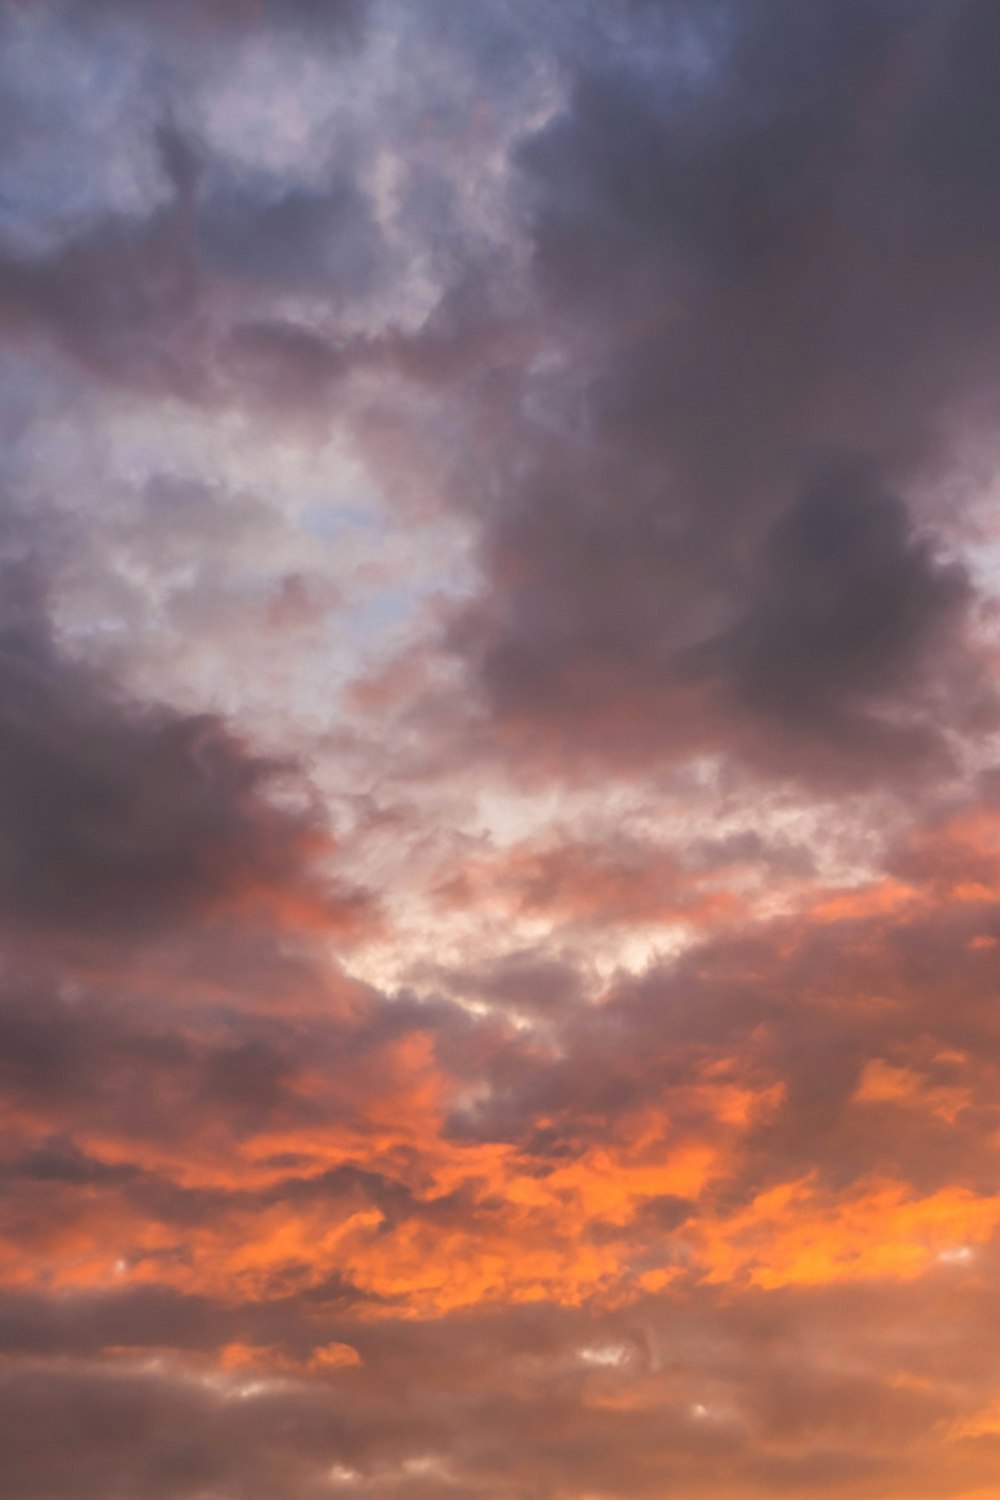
(499, 728)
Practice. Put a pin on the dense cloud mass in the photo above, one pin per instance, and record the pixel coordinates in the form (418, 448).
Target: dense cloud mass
(499, 818)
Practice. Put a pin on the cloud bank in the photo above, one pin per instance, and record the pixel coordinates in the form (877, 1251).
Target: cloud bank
(499, 821)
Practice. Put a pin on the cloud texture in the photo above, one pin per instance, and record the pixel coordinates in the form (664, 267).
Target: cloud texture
(499, 819)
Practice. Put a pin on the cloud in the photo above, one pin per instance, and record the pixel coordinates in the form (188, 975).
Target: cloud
(316, 20)
(731, 277)
(120, 817)
(499, 855)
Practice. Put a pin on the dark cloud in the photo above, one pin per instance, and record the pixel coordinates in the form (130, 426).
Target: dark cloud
(774, 258)
(851, 630)
(299, 240)
(289, 366)
(148, 301)
(120, 817)
(120, 297)
(505, 1407)
(846, 603)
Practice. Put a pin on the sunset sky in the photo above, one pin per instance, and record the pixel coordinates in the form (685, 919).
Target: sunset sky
(500, 749)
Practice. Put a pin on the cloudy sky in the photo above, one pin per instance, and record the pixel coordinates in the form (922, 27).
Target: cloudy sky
(499, 749)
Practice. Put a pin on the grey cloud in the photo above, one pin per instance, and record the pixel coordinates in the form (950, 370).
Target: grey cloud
(340, 21)
(120, 297)
(121, 817)
(135, 300)
(847, 600)
(298, 240)
(503, 1406)
(784, 255)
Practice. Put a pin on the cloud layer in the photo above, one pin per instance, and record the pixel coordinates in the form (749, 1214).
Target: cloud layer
(499, 829)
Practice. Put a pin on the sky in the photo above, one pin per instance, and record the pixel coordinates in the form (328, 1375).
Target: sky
(499, 749)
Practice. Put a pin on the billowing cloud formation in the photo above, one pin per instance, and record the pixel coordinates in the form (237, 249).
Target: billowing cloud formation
(763, 275)
(499, 838)
(115, 817)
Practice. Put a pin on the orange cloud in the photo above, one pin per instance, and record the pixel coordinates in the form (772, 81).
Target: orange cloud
(798, 1234)
(585, 883)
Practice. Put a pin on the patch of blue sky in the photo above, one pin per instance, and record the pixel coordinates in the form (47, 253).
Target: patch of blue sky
(384, 615)
(328, 522)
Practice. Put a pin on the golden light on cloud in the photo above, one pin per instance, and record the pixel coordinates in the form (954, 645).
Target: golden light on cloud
(499, 818)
